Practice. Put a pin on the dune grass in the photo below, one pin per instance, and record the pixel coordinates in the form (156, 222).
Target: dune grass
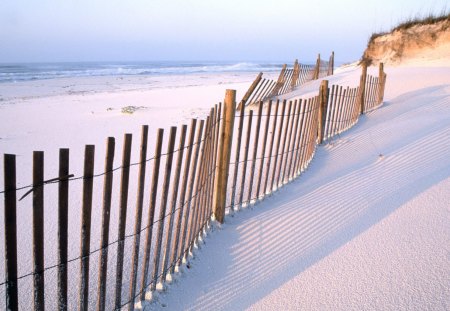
(417, 20)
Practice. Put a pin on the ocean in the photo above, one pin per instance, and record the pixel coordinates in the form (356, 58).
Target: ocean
(41, 71)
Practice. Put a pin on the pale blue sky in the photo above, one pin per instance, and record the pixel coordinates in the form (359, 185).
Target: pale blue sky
(99, 30)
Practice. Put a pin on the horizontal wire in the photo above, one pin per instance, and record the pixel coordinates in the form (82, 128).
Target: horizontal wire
(57, 180)
(207, 179)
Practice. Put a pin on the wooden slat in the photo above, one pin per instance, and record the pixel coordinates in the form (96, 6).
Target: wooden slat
(86, 211)
(299, 133)
(272, 140)
(107, 191)
(38, 230)
(294, 139)
(237, 157)
(263, 150)
(199, 189)
(151, 212)
(10, 221)
(288, 146)
(244, 164)
(250, 90)
(284, 146)
(184, 245)
(138, 215)
(277, 148)
(163, 207)
(63, 207)
(255, 152)
(173, 202)
(124, 182)
(184, 183)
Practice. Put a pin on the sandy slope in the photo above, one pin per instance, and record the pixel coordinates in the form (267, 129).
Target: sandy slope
(367, 227)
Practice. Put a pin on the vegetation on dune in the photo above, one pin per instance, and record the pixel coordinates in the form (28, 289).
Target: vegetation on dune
(418, 20)
(430, 19)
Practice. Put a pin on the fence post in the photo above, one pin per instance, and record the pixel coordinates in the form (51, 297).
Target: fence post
(226, 135)
(362, 87)
(317, 70)
(380, 82)
(10, 222)
(331, 64)
(323, 97)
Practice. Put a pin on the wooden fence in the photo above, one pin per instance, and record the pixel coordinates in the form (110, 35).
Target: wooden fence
(262, 89)
(207, 170)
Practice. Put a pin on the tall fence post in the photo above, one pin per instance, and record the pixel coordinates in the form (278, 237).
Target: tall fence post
(362, 87)
(331, 64)
(380, 83)
(226, 135)
(317, 69)
(10, 222)
(323, 97)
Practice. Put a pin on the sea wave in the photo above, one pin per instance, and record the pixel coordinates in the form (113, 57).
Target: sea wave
(39, 71)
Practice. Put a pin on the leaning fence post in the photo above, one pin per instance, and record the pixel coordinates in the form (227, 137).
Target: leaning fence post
(250, 91)
(362, 87)
(226, 135)
(323, 96)
(10, 221)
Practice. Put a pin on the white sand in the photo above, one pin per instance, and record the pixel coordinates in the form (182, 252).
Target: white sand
(71, 112)
(367, 227)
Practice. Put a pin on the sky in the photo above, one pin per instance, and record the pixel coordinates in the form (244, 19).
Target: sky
(231, 30)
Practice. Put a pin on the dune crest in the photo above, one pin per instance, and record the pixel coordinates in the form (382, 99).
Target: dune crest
(411, 45)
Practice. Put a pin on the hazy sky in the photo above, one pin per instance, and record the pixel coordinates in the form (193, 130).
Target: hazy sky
(279, 30)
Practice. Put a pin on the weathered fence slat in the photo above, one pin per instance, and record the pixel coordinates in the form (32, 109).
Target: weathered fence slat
(205, 178)
(237, 157)
(184, 246)
(38, 230)
(63, 207)
(284, 146)
(163, 206)
(138, 215)
(300, 133)
(124, 182)
(263, 150)
(86, 210)
(294, 139)
(107, 191)
(199, 189)
(269, 157)
(173, 202)
(255, 152)
(151, 212)
(10, 220)
(244, 164)
(277, 148)
(184, 183)
(288, 146)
